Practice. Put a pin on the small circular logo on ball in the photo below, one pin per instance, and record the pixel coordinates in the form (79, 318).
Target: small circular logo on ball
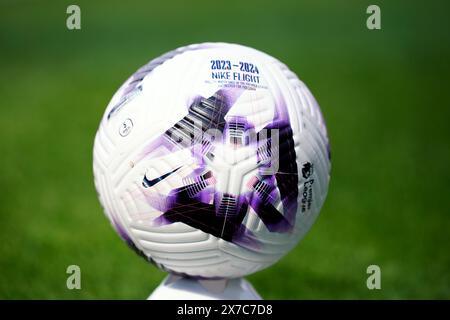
(125, 127)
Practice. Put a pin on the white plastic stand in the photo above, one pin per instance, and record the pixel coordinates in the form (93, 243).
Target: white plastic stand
(180, 288)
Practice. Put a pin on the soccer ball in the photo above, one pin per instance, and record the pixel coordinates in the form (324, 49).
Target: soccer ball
(212, 161)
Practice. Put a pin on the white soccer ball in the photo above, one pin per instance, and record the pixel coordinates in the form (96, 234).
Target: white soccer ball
(212, 161)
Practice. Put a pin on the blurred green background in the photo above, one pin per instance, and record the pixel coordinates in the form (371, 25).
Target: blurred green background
(384, 94)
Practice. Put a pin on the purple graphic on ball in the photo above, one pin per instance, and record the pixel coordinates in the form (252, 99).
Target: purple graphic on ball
(198, 203)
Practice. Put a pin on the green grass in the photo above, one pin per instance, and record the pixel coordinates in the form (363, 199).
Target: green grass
(383, 93)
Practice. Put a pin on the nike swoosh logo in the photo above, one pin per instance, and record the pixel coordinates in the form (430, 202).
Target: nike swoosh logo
(150, 183)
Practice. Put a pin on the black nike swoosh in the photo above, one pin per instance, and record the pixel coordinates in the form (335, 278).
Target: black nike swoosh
(150, 183)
